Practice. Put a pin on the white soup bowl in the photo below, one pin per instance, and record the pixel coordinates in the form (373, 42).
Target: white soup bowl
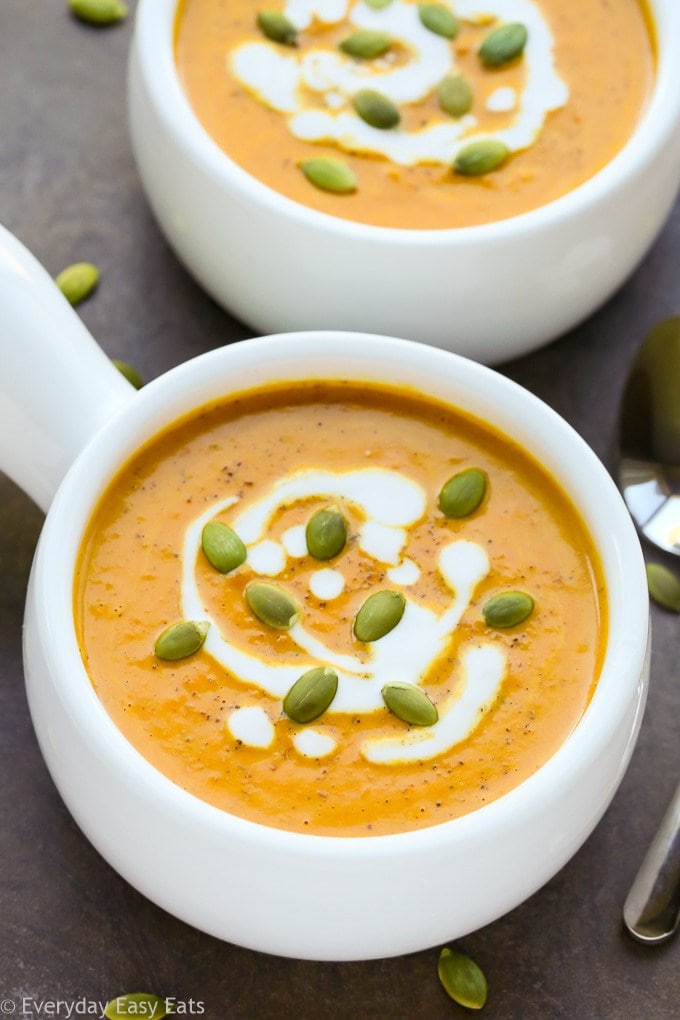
(70, 421)
(489, 292)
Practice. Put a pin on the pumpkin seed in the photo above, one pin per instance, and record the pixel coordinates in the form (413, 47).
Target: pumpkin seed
(377, 5)
(222, 546)
(130, 373)
(463, 493)
(462, 979)
(664, 586)
(99, 12)
(455, 95)
(311, 694)
(136, 1004)
(410, 703)
(481, 157)
(272, 605)
(326, 533)
(507, 609)
(76, 282)
(275, 26)
(180, 640)
(438, 19)
(329, 174)
(366, 43)
(380, 613)
(376, 109)
(503, 44)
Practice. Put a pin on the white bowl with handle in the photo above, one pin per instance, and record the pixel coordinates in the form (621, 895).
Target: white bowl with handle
(70, 421)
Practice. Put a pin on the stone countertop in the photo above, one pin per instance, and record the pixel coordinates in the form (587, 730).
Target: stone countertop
(71, 929)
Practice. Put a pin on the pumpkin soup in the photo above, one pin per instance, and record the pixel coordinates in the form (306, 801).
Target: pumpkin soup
(418, 115)
(340, 610)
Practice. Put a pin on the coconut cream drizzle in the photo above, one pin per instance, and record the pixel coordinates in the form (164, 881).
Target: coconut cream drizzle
(313, 87)
(390, 504)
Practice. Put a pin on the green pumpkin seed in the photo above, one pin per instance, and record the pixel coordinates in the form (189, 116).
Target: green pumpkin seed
(377, 5)
(366, 43)
(438, 19)
(463, 493)
(481, 157)
(462, 979)
(329, 175)
(380, 613)
(376, 109)
(326, 533)
(99, 12)
(77, 282)
(275, 26)
(272, 605)
(664, 586)
(222, 546)
(311, 694)
(410, 703)
(507, 609)
(503, 44)
(136, 1004)
(180, 640)
(130, 373)
(455, 95)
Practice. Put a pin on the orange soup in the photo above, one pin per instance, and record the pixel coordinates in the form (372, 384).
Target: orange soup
(418, 115)
(340, 610)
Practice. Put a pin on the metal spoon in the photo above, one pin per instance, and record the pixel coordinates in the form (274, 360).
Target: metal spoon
(649, 478)
(649, 466)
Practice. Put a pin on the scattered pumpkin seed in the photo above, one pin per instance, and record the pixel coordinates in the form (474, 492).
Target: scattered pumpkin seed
(481, 157)
(136, 1004)
(272, 605)
(99, 12)
(311, 694)
(180, 640)
(462, 979)
(130, 373)
(326, 533)
(664, 586)
(276, 26)
(222, 546)
(376, 109)
(380, 613)
(463, 493)
(329, 174)
(410, 703)
(455, 95)
(377, 5)
(503, 44)
(507, 609)
(366, 43)
(76, 282)
(438, 19)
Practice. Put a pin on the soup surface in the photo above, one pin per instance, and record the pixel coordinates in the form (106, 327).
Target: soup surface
(218, 721)
(560, 108)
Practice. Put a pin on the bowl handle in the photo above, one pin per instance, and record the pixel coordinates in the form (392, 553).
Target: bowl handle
(57, 387)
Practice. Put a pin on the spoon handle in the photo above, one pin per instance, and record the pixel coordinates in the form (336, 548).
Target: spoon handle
(651, 912)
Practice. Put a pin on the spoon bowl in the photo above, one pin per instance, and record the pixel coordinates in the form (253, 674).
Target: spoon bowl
(649, 464)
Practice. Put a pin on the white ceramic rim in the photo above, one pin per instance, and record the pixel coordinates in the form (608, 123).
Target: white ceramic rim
(197, 382)
(154, 40)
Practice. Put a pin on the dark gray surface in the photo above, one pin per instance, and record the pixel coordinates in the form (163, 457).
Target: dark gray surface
(71, 929)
